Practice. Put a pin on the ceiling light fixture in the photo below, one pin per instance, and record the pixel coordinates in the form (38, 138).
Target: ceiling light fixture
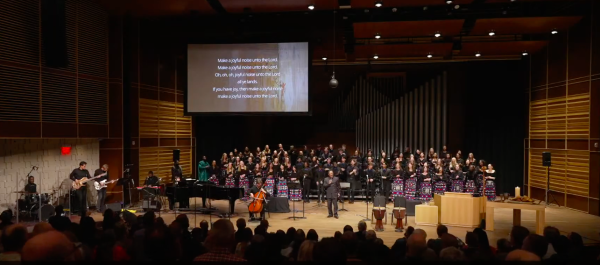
(311, 7)
(478, 55)
(324, 58)
(437, 35)
(449, 2)
(456, 6)
(525, 53)
(375, 57)
(429, 55)
(554, 32)
(378, 4)
(377, 36)
(492, 33)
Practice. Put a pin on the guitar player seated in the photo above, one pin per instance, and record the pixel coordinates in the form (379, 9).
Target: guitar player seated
(102, 191)
(81, 193)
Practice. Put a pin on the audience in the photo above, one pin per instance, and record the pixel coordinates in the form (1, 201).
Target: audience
(148, 239)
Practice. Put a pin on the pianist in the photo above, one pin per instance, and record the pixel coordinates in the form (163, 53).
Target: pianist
(151, 180)
(253, 191)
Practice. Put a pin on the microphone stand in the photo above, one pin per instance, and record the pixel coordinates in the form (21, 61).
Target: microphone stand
(367, 215)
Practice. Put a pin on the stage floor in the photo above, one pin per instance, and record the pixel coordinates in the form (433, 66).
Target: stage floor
(564, 219)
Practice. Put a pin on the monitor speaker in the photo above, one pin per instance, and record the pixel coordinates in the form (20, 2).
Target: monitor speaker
(54, 33)
(176, 155)
(546, 159)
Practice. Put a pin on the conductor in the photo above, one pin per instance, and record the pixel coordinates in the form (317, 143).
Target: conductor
(332, 191)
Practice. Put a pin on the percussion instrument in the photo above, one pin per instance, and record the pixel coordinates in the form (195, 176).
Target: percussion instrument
(45, 198)
(425, 191)
(440, 187)
(457, 185)
(399, 214)
(410, 189)
(470, 186)
(379, 213)
(282, 189)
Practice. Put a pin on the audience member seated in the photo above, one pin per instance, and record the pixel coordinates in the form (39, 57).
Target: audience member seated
(58, 221)
(13, 239)
(219, 241)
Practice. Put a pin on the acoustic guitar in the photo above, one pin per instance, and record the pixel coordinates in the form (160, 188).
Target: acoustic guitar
(78, 183)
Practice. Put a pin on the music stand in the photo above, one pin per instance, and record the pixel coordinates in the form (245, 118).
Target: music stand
(343, 186)
(295, 186)
(121, 182)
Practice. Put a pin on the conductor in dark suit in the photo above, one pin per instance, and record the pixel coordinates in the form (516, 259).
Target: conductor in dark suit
(332, 190)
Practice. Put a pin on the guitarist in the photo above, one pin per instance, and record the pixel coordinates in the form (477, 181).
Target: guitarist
(101, 192)
(81, 193)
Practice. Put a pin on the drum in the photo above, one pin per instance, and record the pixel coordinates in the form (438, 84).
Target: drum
(440, 187)
(245, 184)
(230, 182)
(399, 214)
(410, 188)
(458, 185)
(379, 213)
(32, 199)
(22, 205)
(397, 188)
(47, 212)
(270, 185)
(490, 190)
(282, 189)
(45, 198)
(470, 186)
(425, 191)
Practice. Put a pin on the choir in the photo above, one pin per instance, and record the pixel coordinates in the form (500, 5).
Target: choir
(416, 176)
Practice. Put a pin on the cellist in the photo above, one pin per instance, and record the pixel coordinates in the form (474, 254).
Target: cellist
(258, 186)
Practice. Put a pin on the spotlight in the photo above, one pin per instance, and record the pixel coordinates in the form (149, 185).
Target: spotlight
(378, 4)
(456, 6)
(492, 33)
(394, 9)
(375, 57)
(554, 32)
(449, 2)
(311, 7)
(478, 55)
(437, 35)
(429, 55)
(377, 36)
(525, 53)
(324, 58)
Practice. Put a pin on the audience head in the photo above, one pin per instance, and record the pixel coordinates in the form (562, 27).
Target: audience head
(348, 228)
(337, 235)
(517, 235)
(149, 217)
(222, 235)
(329, 250)
(536, 244)
(40, 228)
(300, 235)
(441, 230)
(451, 254)
(204, 225)
(183, 220)
(61, 249)
(482, 239)
(312, 235)
(306, 250)
(13, 238)
(265, 224)
(6, 216)
(503, 245)
(371, 236)
(449, 240)
(521, 255)
(471, 240)
(576, 240)
(416, 243)
(290, 235)
(260, 230)
(362, 226)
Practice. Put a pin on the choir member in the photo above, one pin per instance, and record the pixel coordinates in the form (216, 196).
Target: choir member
(258, 153)
(246, 151)
(214, 172)
(444, 152)
(295, 194)
(224, 160)
(370, 175)
(344, 150)
(472, 159)
(471, 182)
(422, 161)
(243, 182)
(328, 165)
(448, 158)
(321, 174)
(250, 164)
(280, 148)
(342, 165)
(396, 153)
(353, 178)
(386, 180)
(490, 183)
(425, 184)
(481, 168)
(459, 160)
(440, 181)
(410, 182)
(458, 179)
(385, 159)
(430, 154)
(407, 153)
(366, 158)
(300, 156)
(229, 176)
(282, 188)
(356, 156)
(398, 184)
(418, 154)
(307, 177)
(267, 152)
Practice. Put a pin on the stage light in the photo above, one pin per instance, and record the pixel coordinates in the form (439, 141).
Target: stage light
(378, 4)
(377, 36)
(311, 7)
(324, 58)
(456, 6)
(65, 150)
(333, 83)
(429, 56)
(525, 53)
(437, 35)
(478, 55)
(375, 57)
(492, 33)
(449, 2)
(554, 32)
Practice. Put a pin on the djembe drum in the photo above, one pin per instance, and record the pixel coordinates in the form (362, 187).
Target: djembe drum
(379, 213)
(399, 214)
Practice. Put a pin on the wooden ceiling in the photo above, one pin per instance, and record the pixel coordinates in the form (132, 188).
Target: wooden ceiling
(404, 29)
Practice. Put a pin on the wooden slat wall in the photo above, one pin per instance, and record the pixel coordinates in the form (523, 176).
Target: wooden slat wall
(66, 102)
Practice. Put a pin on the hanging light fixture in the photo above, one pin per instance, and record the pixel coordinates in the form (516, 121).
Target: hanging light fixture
(333, 83)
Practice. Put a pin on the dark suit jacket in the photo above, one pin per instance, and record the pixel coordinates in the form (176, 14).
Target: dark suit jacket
(331, 189)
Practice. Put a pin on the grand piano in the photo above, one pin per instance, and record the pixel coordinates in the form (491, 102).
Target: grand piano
(205, 190)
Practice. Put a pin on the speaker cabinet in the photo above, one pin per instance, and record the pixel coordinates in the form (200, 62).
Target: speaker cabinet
(176, 153)
(54, 33)
(546, 159)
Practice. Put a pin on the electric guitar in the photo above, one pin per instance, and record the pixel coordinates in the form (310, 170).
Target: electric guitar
(78, 183)
(103, 184)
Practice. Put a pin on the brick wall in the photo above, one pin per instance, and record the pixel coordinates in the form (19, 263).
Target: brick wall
(18, 156)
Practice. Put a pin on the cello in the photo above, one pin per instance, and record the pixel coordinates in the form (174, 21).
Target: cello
(256, 206)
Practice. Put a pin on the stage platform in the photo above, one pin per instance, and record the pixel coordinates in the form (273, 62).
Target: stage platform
(564, 219)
